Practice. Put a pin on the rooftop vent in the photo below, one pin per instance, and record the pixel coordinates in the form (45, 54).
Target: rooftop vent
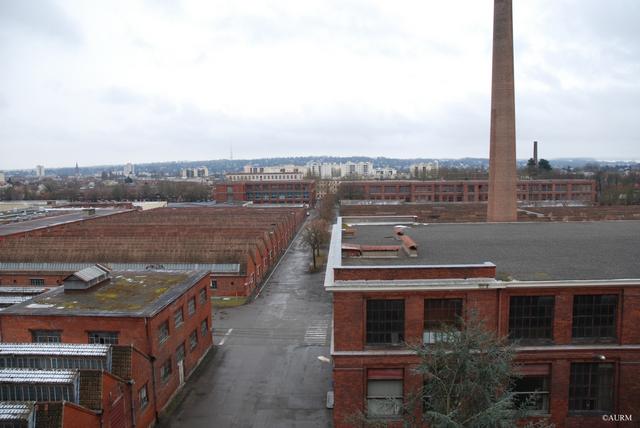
(409, 246)
(87, 278)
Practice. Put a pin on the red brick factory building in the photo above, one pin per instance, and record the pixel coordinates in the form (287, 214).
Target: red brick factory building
(568, 293)
(528, 191)
(238, 245)
(300, 192)
(157, 322)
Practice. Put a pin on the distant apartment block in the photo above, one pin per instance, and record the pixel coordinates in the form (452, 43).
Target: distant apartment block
(40, 171)
(322, 170)
(267, 192)
(578, 191)
(423, 170)
(200, 172)
(129, 170)
(325, 187)
(250, 169)
(2, 178)
(265, 176)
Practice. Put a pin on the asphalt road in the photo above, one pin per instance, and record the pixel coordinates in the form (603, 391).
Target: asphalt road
(265, 371)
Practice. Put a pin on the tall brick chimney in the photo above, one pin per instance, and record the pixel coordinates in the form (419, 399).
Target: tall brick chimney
(502, 204)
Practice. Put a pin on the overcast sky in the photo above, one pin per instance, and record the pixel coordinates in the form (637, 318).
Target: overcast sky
(102, 82)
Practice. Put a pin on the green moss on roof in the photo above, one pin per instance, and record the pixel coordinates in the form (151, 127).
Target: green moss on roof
(124, 292)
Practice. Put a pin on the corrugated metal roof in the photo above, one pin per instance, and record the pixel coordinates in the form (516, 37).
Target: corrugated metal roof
(57, 349)
(12, 410)
(74, 267)
(23, 290)
(90, 273)
(37, 376)
(12, 300)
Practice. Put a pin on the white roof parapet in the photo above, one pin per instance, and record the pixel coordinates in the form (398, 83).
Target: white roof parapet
(55, 349)
(73, 267)
(472, 283)
(38, 376)
(12, 300)
(23, 290)
(12, 410)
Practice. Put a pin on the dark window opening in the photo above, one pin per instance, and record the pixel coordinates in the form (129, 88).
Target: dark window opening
(439, 315)
(104, 337)
(594, 316)
(385, 322)
(165, 370)
(532, 392)
(531, 318)
(46, 336)
(193, 339)
(591, 387)
(178, 318)
(163, 332)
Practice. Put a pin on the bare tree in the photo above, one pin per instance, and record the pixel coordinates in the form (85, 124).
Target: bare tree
(314, 236)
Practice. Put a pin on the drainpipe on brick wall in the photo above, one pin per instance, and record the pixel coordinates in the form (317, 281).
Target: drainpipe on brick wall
(131, 399)
(152, 359)
(499, 313)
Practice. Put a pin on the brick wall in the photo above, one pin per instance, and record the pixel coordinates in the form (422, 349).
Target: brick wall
(492, 306)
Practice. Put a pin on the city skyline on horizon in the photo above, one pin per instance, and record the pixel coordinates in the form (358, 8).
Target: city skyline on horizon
(322, 158)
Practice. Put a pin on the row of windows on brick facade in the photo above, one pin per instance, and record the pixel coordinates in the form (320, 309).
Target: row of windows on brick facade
(591, 387)
(178, 316)
(55, 336)
(167, 368)
(530, 319)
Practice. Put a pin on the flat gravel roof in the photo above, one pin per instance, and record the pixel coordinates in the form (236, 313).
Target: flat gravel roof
(527, 251)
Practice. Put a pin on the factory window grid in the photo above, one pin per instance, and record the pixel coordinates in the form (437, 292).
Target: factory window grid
(531, 318)
(214, 284)
(143, 396)
(439, 316)
(532, 391)
(37, 392)
(385, 322)
(103, 337)
(36, 281)
(204, 328)
(178, 317)
(165, 370)
(45, 363)
(163, 332)
(203, 296)
(384, 393)
(193, 339)
(594, 317)
(591, 388)
(191, 306)
(46, 336)
(180, 352)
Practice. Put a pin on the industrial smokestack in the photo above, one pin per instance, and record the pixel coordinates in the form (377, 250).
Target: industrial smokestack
(535, 152)
(502, 205)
